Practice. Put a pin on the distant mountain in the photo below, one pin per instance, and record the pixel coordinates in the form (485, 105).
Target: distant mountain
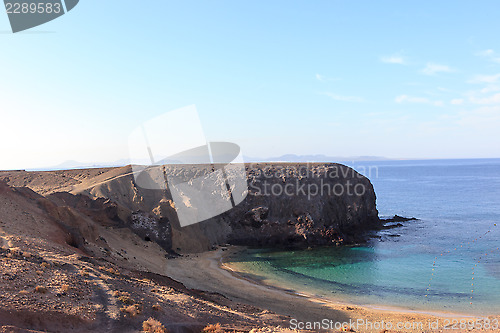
(71, 164)
(313, 158)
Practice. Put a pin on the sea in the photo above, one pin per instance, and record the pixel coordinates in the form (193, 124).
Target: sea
(446, 261)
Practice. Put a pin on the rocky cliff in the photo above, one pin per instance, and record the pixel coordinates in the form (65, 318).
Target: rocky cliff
(286, 205)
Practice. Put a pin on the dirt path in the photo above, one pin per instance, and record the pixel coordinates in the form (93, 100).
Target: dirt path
(83, 187)
(110, 314)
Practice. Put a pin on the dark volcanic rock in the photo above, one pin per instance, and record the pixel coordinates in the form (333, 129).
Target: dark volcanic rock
(306, 205)
(397, 218)
(287, 205)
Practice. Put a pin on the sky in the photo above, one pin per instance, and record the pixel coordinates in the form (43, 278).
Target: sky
(399, 79)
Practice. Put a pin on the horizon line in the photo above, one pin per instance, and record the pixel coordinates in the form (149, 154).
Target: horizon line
(110, 165)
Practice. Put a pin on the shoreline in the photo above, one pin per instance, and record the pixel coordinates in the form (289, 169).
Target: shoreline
(208, 271)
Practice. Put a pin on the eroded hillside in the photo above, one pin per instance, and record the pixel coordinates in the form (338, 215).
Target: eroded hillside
(67, 265)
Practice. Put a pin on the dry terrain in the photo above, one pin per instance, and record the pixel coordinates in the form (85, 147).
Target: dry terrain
(108, 281)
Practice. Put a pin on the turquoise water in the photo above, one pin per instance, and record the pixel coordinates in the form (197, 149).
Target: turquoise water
(448, 260)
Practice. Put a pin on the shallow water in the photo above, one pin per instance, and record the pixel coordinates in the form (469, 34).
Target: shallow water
(448, 260)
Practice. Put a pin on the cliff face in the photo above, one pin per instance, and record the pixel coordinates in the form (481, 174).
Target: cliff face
(286, 205)
(290, 205)
(298, 205)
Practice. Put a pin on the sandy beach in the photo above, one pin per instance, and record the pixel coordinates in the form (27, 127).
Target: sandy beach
(207, 271)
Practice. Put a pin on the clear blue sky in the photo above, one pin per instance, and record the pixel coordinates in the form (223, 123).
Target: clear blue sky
(401, 79)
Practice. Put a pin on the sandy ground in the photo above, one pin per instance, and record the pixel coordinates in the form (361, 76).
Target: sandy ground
(48, 285)
(207, 271)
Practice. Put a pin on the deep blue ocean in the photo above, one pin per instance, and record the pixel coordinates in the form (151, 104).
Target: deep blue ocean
(448, 260)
